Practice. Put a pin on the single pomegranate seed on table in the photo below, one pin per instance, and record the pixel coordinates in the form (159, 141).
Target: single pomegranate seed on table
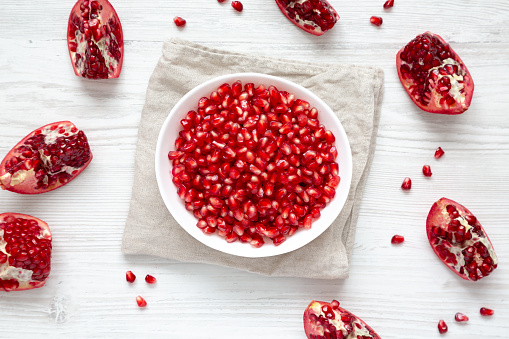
(460, 317)
(439, 152)
(407, 184)
(141, 302)
(388, 4)
(179, 21)
(130, 277)
(376, 20)
(486, 312)
(237, 5)
(426, 170)
(150, 279)
(397, 239)
(442, 327)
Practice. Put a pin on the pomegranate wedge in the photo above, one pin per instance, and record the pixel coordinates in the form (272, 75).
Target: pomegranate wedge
(328, 320)
(313, 16)
(47, 158)
(25, 252)
(459, 240)
(434, 76)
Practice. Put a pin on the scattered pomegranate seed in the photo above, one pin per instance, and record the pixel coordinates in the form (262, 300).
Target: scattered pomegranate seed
(426, 170)
(140, 301)
(150, 279)
(397, 239)
(237, 5)
(439, 152)
(442, 327)
(179, 21)
(460, 317)
(388, 4)
(407, 184)
(486, 312)
(376, 20)
(130, 277)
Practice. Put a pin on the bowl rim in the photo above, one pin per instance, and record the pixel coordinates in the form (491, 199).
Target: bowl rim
(247, 250)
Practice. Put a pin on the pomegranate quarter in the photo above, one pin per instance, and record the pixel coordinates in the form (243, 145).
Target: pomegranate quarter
(95, 40)
(327, 320)
(254, 163)
(47, 158)
(25, 252)
(434, 76)
(313, 16)
(459, 240)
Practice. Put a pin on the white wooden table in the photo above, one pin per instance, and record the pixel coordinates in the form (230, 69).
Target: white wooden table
(401, 291)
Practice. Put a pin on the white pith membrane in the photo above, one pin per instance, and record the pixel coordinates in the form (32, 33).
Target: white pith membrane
(457, 249)
(359, 329)
(307, 23)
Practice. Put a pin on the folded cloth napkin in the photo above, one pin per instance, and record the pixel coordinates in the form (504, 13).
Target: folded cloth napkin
(353, 92)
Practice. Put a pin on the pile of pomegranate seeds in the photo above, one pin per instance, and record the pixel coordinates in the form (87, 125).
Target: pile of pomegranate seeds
(376, 20)
(254, 162)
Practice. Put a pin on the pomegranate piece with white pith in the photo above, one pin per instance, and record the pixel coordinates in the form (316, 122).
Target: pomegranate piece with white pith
(25, 252)
(434, 76)
(459, 240)
(324, 320)
(47, 158)
(95, 40)
(313, 16)
(253, 162)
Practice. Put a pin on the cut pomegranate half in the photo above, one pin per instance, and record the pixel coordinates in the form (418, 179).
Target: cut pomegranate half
(459, 240)
(25, 252)
(313, 16)
(47, 158)
(434, 76)
(95, 40)
(328, 320)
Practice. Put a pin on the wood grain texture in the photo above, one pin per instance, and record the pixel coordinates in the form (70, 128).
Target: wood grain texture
(401, 291)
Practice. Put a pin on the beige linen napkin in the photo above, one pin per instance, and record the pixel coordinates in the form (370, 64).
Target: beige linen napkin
(353, 92)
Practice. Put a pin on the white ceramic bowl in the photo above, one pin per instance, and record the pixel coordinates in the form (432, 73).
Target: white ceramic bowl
(169, 132)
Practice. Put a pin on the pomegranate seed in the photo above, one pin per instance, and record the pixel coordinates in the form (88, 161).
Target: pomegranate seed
(426, 170)
(388, 4)
(407, 184)
(397, 239)
(221, 1)
(334, 304)
(237, 5)
(328, 312)
(179, 21)
(439, 152)
(150, 279)
(376, 20)
(460, 317)
(442, 327)
(140, 301)
(130, 277)
(486, 312)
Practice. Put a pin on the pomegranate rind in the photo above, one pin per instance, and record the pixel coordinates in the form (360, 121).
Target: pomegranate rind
(438, 216)
(4, 275)
(25, 183)
(314, 329)
(310, 28)
(462, 102)
(108, 11)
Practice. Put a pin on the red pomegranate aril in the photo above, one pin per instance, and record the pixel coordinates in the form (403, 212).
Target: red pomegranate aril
(237, 5)
(141, 302)
(439, 152)
(397, 239)
(486, 312)
(376, 20)
(460, 317)
(150, 279)
(130, 277)
(388, 4)
(179, 21)
(442, 327)
(426, 170)
(407, 184)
